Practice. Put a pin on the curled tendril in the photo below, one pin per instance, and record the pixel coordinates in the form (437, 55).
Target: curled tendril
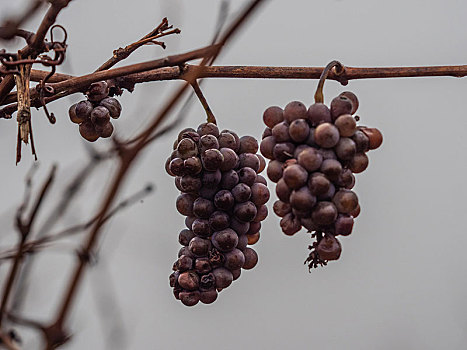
(339, 70)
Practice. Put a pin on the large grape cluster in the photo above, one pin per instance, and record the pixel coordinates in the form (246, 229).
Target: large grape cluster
(223, 198)
(313, 155)
(93, 114)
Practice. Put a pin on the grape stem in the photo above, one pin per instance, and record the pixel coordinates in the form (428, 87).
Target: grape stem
(339, 69)
(210, 116)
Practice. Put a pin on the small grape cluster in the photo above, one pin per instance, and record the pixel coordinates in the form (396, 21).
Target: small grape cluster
(93, 114)
(223, 198)
(313, 155)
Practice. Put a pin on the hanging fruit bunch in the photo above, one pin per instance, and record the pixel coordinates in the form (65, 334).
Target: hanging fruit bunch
(223, 198)
(93, 114)
(314, 154)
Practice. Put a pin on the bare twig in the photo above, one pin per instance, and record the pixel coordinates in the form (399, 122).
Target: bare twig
(24, 228)
(122, 53)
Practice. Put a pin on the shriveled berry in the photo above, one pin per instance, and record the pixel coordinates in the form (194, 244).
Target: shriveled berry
(88, 132)
(329, 248)
(98, 91)
(114, 107)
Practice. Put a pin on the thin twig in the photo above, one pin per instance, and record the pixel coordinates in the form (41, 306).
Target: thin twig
(122, 53)
(24, 228)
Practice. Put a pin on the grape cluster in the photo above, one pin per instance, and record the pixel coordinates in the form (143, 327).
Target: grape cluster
(314, 154)
(93, 114)
(223, 198)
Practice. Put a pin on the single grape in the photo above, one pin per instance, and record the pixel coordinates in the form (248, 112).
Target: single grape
(362, 142)
(283, 191)
(114, 107)
(281, 208)
(310, 159)
(208, 129)
(212, 159)
(359, 163)
(190, 183)
(262, 164)
(208, 296)
(211, 178)
(189, 298)
(203, 208)
(329, 248)
(295, 176)
(352, 97)
(302, 199)
(247, 176)
(318, 113)
(299, 130)
(290, 224)
(185, 236)
(219, 220)
(375, 137)
(275, 170)
(251, 258)
(241, 192)
(225, 240)
(234, 259)
(283, 151)
(239, 226)
(267, 132)
(249, 160)
(245, 211)
(208, 142)
(199, 247)
(97, 91)
(343, 225)
(261, 214)
(184, 204)
(177, 166)
(294, 110)
(324, 213)
(280, 132)
(223, 277)
(331, 168)
(201, 227)
(326, 135)
(229, 179)
(83, 110)
(340, 105)
(345, 201)
(254, 238)
(88, 132)
(272, 116)
(202, 265)
(227, 140)
(224, 200)
(230, 159)
(345, 148)
(259, 194)
(192, 166)
(248, 144)
(267, 146)
(346, 125)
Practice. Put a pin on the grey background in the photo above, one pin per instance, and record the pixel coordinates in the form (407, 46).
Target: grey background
(400, 282)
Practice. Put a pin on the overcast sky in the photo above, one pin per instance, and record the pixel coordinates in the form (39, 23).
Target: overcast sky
(401, 280)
